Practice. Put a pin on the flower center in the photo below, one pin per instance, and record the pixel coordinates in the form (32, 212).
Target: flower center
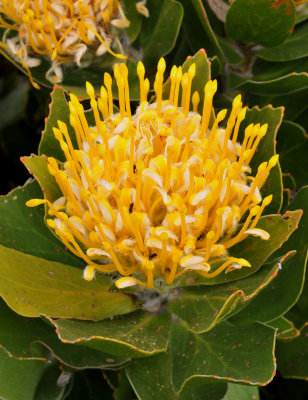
(158, 192)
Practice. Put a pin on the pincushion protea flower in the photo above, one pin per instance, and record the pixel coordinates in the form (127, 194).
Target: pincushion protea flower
(63, 31)
(159, 192)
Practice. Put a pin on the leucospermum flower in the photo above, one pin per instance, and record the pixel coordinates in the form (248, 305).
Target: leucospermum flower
(62, 31)
(157, 192)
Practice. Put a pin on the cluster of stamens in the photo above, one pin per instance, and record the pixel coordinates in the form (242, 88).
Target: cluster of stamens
(62, 30)
(160, 192)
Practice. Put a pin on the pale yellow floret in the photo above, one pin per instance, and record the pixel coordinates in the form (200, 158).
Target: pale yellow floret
(63, 31)
(157, 193)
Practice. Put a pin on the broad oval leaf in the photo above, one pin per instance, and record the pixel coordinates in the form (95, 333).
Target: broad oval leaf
(288, 84)
(153, 377)
(19, 379)
(204, 307)
(20, 334)
(33, 286)
(23, 228)
(138, 334)
(292, 357)
(278, 298)
(293, 48)
(158, 33)
(292, 146)
(266, 22)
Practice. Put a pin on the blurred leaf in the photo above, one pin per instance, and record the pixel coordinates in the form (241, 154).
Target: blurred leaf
(20, 334)
(288, 180)
(299, 313)
(229, 48)
(158, 34)
(153, 377)
(267, 71)
(285, 328)
(220, 301)
(134, 17)
(12, 105)
(277, 299)
(33, 286)
(287, 84)
(294, 104)
(47, 388)
(293, 48)
(138, 334)
(215, 67)
(266, 149)
(19, 379)
(124, 391)
(240, 392)
(292, 357)
(266, 22)
(292, 147)
(198, 29)
(23, 228)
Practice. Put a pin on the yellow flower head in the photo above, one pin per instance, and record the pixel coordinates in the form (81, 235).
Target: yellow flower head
(62, 30)
(158, 192)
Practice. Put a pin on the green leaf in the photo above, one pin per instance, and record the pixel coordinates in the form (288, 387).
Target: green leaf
(203, 74)
(292, 357)
(266, 149)
(288, 84)
(159, 33)
(229, 50)
(134, 17)
(266, 22)
(198, 30)
(240, 392)
(12, 105)
(20, 333)
(153, 377)
(226, 352)
(219, 301)
(292, 146)
(299, 313)
(294, 104)
(138, 334)
(32, 286)
(23, 228)
(285, 328)
(268, 71)
(58, 111)
(48, 388)
(278, 298)
(293, 48)
(19, 379)
(37, 166)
